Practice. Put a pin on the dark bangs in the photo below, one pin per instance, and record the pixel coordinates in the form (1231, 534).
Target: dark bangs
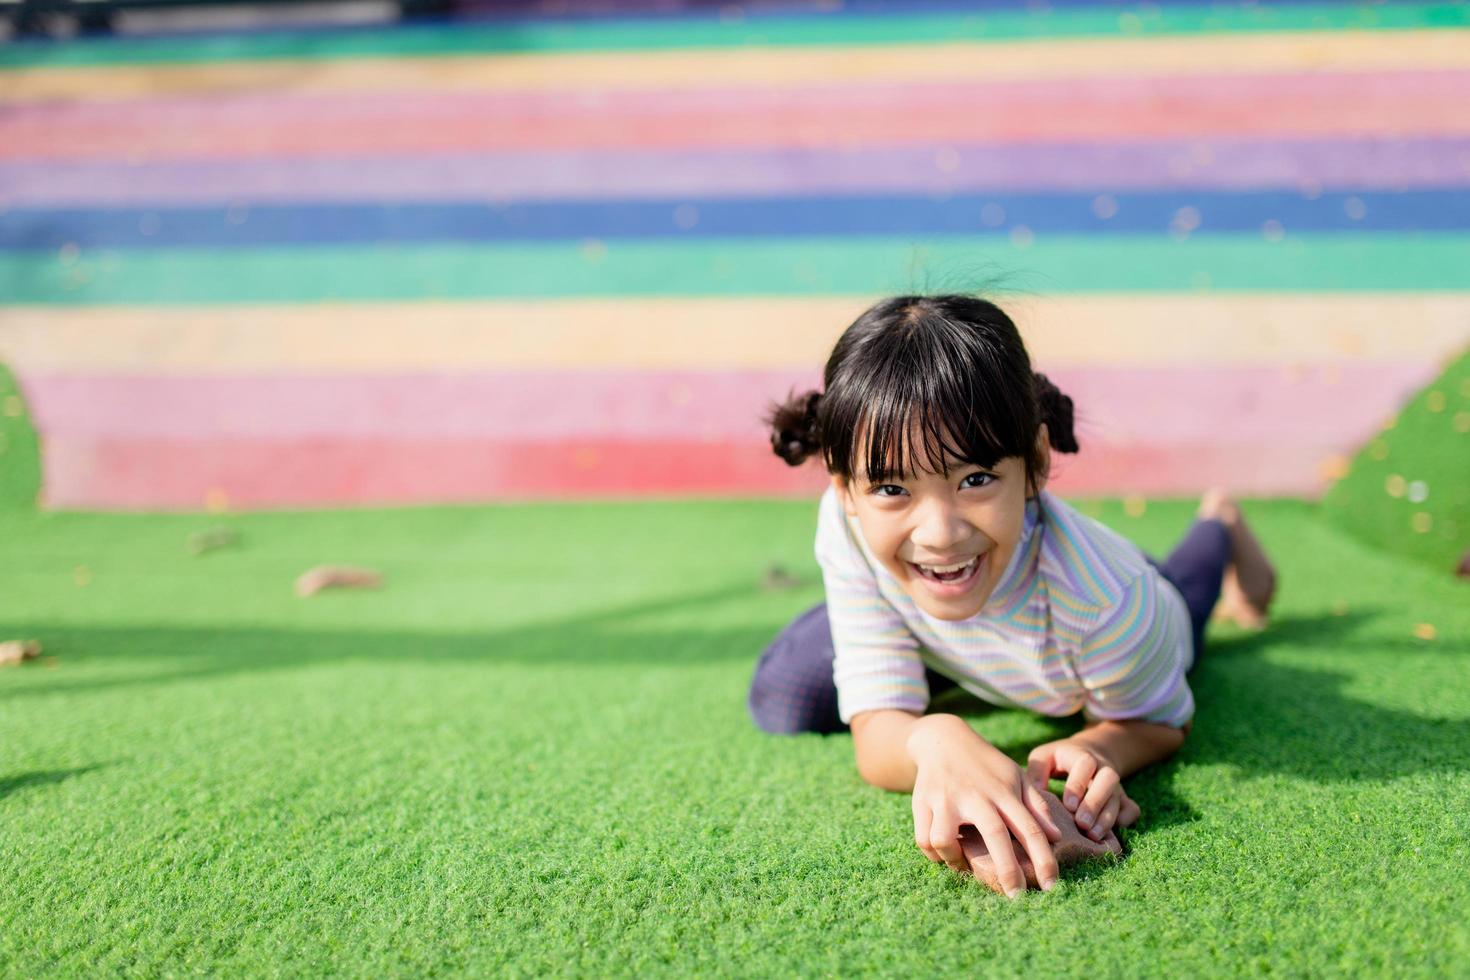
(920, 382)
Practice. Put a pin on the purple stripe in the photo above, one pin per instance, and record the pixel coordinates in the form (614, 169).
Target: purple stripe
(1207, 163)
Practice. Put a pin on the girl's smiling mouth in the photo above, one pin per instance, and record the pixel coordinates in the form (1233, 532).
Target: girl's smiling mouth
(948, 581)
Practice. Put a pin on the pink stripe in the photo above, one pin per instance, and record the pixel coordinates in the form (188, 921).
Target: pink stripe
(181, 475)
(1336, 404)
(1280, 468)
(529, 405)
(1183, 406)
(1396, 103)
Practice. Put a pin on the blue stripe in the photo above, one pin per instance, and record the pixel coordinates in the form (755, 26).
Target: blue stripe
(1136, 213)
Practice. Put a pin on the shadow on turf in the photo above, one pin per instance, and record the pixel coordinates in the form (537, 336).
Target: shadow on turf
(1267, 717)
(1259, 715)
(598, 638)
(40, 777)
(1271, 718)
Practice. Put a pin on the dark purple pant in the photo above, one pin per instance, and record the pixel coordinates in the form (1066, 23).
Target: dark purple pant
(793, 692)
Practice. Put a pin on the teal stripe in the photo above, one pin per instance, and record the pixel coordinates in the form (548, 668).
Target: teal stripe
(663, 34)
(744, 267)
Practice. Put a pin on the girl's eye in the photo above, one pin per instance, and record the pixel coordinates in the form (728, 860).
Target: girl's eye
(888, 490)
(987, 477)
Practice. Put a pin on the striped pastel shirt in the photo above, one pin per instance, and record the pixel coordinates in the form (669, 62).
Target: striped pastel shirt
(1078, 621)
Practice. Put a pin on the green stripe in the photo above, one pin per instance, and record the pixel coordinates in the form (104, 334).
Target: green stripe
(20, 454)
(741, 267)
(660, 34)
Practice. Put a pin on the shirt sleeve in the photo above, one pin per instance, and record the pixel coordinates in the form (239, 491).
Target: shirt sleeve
(1131, 664)
(877, 661)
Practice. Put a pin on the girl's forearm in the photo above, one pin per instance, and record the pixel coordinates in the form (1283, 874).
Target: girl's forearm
(1129, 746)
(889, 744)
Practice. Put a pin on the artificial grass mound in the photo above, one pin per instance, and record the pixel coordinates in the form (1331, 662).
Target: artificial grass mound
(509, 762)
(20, 458)
(1408, 490)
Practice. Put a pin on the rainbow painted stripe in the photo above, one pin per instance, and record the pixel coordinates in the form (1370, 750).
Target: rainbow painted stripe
(529, 256)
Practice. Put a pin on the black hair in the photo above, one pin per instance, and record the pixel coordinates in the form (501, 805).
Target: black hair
(954, 363)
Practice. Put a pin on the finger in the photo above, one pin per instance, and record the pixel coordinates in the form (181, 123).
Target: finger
(1103, 786)
(923, 820)
(1036, 803)
(944, 837)
(1107, 817)
(1129, 813)
(998, 841)
(1040, 764)
(1025, 828)
(1078, 780)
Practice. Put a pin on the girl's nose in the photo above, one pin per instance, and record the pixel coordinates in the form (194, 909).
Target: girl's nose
(940, 527)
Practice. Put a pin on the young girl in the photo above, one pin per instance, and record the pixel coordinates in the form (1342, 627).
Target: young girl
(947, 563)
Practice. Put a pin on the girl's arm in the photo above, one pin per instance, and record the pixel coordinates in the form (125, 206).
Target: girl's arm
(1129, 746)
(1095, 760)
(881, 740)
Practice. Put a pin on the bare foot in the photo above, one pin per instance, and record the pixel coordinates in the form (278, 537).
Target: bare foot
(1234, 607)
(1250, 580)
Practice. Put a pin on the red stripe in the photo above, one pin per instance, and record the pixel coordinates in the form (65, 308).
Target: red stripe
(1402, 104)
(183, 475)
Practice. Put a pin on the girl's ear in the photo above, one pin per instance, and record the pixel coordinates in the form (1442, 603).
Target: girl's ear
(1043, 457)
(843, 496)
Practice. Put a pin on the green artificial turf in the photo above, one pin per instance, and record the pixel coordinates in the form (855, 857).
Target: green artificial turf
(1408, 490)
(529, 753)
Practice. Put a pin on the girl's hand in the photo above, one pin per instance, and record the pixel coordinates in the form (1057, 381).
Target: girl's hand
(1094, 791)
(963, 779)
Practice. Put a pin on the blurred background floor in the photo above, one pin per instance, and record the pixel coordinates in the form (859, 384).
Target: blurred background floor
(525, 252)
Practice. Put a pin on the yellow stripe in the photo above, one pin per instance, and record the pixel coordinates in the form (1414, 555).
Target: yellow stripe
(717, 334)
(794, 66)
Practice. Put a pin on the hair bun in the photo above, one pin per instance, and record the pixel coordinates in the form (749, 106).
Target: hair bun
(1056, 412)
(795, 434)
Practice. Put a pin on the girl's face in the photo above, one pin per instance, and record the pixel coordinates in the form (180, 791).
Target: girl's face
(946, 537)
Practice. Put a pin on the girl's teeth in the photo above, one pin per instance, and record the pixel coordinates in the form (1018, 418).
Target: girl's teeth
(952, 571)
